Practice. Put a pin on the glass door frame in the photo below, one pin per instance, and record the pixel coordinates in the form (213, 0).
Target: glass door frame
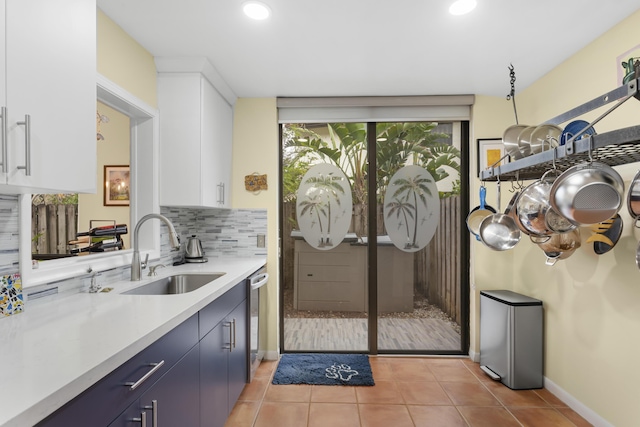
(372, 250)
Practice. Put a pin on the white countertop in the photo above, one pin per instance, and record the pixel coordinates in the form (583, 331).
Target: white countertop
(56, 349)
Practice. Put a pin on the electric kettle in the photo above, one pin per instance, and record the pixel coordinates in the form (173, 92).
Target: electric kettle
(193, 250)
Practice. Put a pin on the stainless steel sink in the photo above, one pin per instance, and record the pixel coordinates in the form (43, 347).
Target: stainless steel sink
(176, 284)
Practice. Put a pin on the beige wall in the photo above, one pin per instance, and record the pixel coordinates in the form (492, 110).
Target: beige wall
(123, 61)
(255, 149)
(592, 302)
(113, 150)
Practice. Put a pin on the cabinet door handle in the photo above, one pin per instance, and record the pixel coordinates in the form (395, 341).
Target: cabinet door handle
(233, 325)
(135, 385)
(154, 413)
(3, 135)
(230, 347)
(142, 420)
(220, 193)
(27, 144)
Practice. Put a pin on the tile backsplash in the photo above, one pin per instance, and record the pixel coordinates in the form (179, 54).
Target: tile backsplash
(223, 232)
(9, 234)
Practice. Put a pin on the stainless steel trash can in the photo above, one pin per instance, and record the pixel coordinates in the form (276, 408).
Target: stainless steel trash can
(511, 339)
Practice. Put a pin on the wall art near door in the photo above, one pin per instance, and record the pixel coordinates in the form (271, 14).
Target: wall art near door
(411, 208)
(323, 206)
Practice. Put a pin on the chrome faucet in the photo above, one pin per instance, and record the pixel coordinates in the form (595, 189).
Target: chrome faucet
(136, 267)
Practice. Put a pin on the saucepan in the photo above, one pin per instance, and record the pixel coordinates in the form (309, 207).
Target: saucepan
(510, 141)
(560, 246)
(587, 193)
(499, 231)
(535, 215)
(477, 214)
(633, 199)
(544, 137)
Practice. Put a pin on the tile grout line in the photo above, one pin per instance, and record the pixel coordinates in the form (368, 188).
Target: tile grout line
(549, 405)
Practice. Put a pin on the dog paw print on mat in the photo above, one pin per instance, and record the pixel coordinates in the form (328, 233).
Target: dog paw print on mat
(342, 372)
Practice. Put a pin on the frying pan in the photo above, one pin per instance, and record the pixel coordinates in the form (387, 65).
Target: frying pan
(499, 231)
(477, 214)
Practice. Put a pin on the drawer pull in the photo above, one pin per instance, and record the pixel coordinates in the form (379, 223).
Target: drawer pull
(137, 384)
(142, 420)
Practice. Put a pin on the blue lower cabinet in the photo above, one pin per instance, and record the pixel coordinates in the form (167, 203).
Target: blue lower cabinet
(214, 376)
(174, 400)
(190, 377)
(238, 363)
(223, 367)
(102, 402)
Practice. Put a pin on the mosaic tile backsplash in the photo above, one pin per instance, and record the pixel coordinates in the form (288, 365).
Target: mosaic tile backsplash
(223, 232)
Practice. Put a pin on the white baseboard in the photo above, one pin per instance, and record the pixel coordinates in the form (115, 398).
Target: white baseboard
(271, 355)
(573, 403)
(475, 357)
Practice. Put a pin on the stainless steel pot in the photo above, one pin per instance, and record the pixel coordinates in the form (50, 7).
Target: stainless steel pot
(532, 206)
(588, 193)
(633, 198)
(510, 141)
(499, 231)
(560, 246)
(524, 140)
(545, 137)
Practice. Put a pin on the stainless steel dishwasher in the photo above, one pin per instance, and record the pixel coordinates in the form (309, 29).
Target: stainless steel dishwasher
(255, 348)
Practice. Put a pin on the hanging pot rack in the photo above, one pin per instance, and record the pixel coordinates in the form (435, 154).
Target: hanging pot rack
(613, 148)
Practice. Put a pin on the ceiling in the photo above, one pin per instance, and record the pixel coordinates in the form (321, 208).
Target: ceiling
(367, 48)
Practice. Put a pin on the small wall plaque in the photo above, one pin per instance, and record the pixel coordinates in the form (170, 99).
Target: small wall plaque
(255, 182)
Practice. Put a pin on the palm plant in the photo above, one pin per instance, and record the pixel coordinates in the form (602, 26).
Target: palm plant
(397, 145)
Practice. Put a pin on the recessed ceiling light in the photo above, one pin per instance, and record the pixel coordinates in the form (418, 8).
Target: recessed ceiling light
(256, 10)
(460, 7)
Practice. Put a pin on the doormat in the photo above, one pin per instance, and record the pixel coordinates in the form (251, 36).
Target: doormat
(324, 369)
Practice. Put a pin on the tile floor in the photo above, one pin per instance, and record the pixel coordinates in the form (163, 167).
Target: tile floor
(411, 392)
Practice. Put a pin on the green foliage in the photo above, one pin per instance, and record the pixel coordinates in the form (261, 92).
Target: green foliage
(54, 199)
(345, 145)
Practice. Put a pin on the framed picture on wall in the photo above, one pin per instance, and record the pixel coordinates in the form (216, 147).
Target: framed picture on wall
(116, 185)
(490, 153)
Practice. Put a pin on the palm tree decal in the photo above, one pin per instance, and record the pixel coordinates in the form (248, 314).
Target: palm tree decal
(330, 189)
(314, 204)
(398, 207)
(416, 188)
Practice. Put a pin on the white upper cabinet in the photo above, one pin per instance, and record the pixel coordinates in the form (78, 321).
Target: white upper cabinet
(196, 125)
(48, 79)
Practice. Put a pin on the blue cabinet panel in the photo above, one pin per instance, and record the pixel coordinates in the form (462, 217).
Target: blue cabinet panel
(213, 313)
(175, 396)
(101, 403)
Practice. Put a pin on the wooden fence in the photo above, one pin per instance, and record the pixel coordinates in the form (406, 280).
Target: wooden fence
(52, 226)
(436, 267)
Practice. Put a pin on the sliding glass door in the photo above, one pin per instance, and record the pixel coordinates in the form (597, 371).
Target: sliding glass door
(370, 245)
